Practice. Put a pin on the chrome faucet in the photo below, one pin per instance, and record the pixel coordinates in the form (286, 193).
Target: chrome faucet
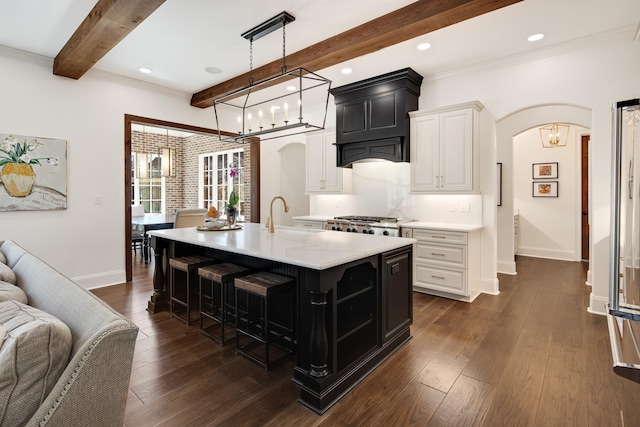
(270, 219)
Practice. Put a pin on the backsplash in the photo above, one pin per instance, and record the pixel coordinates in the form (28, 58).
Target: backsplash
(382, 188)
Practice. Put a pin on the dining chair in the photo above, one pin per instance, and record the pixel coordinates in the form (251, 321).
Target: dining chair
(189, 217)
(137, 235)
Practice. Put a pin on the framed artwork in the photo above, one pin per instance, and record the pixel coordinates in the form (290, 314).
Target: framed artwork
(499, 187)
(545, 189)
(33, 173)
(545, 170)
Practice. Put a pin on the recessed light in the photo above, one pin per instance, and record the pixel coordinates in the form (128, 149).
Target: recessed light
(424, 46)
(535, 37)
(213, 70)
(291, 88)
(346, 71)
(145, 70)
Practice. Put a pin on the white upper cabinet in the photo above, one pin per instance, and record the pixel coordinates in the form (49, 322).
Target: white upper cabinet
(323, 176)
(444, 144)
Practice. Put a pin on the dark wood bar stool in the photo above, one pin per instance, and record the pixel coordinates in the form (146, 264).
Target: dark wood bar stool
(217, 299)
(264, 315)
(184, 286)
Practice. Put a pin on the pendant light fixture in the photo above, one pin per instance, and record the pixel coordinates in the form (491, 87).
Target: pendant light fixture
(277, 105)
(167, 159)
(554, 135)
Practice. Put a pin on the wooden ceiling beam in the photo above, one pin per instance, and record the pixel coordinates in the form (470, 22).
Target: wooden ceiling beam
(414, 20)
(107, 24)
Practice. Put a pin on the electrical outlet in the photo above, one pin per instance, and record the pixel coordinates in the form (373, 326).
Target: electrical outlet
(452, 206)
(464, 207)
(97, 200)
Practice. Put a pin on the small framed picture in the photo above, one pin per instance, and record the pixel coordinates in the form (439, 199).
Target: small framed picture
(545, 189)
(545, 170)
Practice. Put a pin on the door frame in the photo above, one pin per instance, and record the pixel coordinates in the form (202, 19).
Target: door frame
(129, 120)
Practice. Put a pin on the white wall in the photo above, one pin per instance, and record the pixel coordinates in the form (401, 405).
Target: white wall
(85, 241)
(548, 227)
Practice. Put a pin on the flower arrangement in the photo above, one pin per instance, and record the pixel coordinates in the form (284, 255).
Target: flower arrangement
(233, 196)
(16, 152)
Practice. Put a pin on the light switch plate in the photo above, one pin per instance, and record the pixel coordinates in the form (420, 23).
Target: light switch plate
(452, 206)
(464, 206)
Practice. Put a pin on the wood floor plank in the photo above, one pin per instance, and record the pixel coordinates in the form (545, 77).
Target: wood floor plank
(415, 406)
(465, 405)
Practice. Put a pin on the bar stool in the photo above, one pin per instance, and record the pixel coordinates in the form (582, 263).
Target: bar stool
(256, 321)
(217, 298)
(185, 286)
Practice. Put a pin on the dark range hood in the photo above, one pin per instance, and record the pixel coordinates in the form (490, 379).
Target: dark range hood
(372, 120)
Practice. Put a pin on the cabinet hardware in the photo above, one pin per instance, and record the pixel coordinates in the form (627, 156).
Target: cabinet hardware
(436, 254)
(438, 237)
(437, 277)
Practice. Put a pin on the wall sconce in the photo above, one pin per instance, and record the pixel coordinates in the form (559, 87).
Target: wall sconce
(167, 159)
(554, 135)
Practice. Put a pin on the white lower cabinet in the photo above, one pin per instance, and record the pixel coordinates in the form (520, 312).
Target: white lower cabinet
(446, 263)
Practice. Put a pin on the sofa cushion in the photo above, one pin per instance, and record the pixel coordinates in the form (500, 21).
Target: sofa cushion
(10, 292)
(7, 274)
(3, 259)
(34, 354)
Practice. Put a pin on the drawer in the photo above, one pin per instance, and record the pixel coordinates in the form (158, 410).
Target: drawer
(452, 256)
(440, 236)
(440, 279)
(300, 223)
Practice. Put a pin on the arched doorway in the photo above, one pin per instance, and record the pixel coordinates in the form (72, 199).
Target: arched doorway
(506, 129)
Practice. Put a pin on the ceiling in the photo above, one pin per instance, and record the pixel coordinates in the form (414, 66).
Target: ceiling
(183, 37)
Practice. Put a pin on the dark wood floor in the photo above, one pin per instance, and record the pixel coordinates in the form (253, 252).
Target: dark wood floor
(531, 356)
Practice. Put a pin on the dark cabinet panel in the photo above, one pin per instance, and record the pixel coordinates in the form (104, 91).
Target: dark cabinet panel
(397, 296)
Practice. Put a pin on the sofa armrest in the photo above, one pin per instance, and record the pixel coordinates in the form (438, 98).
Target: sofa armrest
(93, 388)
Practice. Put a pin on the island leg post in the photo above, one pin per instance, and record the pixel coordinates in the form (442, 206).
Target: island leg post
(159, 301)
(319, 344)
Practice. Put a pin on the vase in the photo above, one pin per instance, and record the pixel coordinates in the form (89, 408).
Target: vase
(18, 179)
(232, 216)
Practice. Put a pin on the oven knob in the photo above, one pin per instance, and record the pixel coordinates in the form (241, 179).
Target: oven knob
(385, 232)
(333, 227)
(348, 229)
(355, 230)
(338, 228)
(365, 231)
(371, 232)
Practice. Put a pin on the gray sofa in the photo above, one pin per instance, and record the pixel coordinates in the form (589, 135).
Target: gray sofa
(93, 387)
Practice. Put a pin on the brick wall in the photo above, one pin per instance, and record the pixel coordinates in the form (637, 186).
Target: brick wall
(182, 190)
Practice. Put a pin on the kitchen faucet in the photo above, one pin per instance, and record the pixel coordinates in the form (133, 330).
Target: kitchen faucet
(270, 219)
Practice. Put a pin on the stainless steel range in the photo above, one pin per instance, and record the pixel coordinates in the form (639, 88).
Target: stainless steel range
(376, 225)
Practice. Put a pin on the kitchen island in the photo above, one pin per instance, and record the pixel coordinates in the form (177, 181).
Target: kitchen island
(353, 306)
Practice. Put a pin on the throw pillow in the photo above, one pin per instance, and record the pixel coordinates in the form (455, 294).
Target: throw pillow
(3, 258)
(10, 292)
(34, 354)
(7, 274)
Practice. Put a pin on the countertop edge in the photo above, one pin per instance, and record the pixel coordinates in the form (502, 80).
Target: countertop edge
(442, 226)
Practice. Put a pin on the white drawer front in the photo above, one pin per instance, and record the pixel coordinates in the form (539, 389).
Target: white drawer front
(440, 236)
(450, 281)
(317, 225)
(453, 256)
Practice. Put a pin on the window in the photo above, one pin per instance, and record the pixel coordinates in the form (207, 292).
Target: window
(148, 192)
(220, 172)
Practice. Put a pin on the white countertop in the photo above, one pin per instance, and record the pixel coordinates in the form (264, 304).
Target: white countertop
(442, 226)
(315, 249)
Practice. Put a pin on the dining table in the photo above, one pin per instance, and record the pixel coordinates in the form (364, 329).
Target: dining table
(148, 222)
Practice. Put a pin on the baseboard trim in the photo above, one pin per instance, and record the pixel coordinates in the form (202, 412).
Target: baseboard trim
(507, 267)
(101, 280)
